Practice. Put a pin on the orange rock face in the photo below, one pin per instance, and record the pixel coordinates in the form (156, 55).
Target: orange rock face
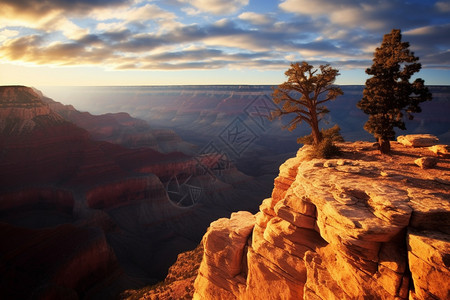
(336, 229)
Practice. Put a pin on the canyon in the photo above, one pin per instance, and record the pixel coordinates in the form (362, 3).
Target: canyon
(93, 205)
(131, 206)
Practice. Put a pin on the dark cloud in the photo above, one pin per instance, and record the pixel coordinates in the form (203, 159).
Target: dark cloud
(21, 47)
(34, 49)
(90, 39)
(116, 36)
(70, 6)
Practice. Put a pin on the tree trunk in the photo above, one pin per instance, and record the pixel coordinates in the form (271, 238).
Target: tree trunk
(384, 145)
(316, 134)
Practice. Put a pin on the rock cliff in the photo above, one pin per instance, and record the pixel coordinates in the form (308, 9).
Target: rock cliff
(363, 226)
(120, 128)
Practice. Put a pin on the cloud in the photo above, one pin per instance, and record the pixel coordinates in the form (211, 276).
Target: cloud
(217, 7)
(443, 6)
(430, 43)
(32, 7)
(256, 19)
(34, 49)
(137, 16)
(6, 34)
(143, 35)
(371, 15)
(49, 16)
(132, 13)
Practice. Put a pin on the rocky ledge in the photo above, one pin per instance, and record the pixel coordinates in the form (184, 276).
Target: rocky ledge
(363, 226)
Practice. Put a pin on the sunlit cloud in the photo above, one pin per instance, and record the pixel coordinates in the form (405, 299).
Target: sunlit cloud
(6, 34)
(217, 34)
(256, 19)
(218, 7)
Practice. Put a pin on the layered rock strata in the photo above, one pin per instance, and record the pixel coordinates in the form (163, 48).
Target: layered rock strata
(359, 227)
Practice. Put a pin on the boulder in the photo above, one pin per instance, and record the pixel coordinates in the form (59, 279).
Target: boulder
(418, 140)
(426, 162)
(441, 150)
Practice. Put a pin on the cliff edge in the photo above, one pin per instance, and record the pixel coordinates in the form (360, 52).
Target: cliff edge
(363, 226)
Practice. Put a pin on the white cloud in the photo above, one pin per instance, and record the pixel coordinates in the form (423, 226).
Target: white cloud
(113, 26)
(50, 22)
(256, 19)
(217, 7)
(6, 34)
(166, 20)
(147, 12)
(190, 11)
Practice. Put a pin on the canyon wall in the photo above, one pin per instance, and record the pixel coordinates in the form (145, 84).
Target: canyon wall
(125, 212)
(358, 227)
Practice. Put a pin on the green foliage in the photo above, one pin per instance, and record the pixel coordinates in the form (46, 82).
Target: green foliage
(388, 94)
(303, 95)
(332, 134)
(325, 149)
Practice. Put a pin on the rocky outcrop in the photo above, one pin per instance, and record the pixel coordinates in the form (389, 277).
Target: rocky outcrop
(21, 110)
(357, 227)
(418, 140)
(440, 150)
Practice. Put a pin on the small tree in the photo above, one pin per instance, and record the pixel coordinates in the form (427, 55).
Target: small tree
(303, 95)
(388, 93)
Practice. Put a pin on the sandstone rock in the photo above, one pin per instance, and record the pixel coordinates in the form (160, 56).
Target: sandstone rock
(441, 150)
(426, 162)
(285, 212)
(431, 210)
(442, 180)
(418, 140)
(223, 257)
(281, 259)
(288, 171)
(267, 207)
(277, 284)
(429, 261)
(338, 230)
(320, 284)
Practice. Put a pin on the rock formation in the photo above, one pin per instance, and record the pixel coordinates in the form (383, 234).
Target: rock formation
(357, 227)
(418, 140)
(120, 128)
(441, 150)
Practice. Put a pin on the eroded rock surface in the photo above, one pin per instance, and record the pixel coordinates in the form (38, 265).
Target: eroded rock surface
(358, 227)
(426, 162)
(418, 140)
(441, 150)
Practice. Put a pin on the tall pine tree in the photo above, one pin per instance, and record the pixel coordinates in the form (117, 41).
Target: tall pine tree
(388, 94)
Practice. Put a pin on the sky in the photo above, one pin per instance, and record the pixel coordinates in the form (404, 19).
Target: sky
(178, 42)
